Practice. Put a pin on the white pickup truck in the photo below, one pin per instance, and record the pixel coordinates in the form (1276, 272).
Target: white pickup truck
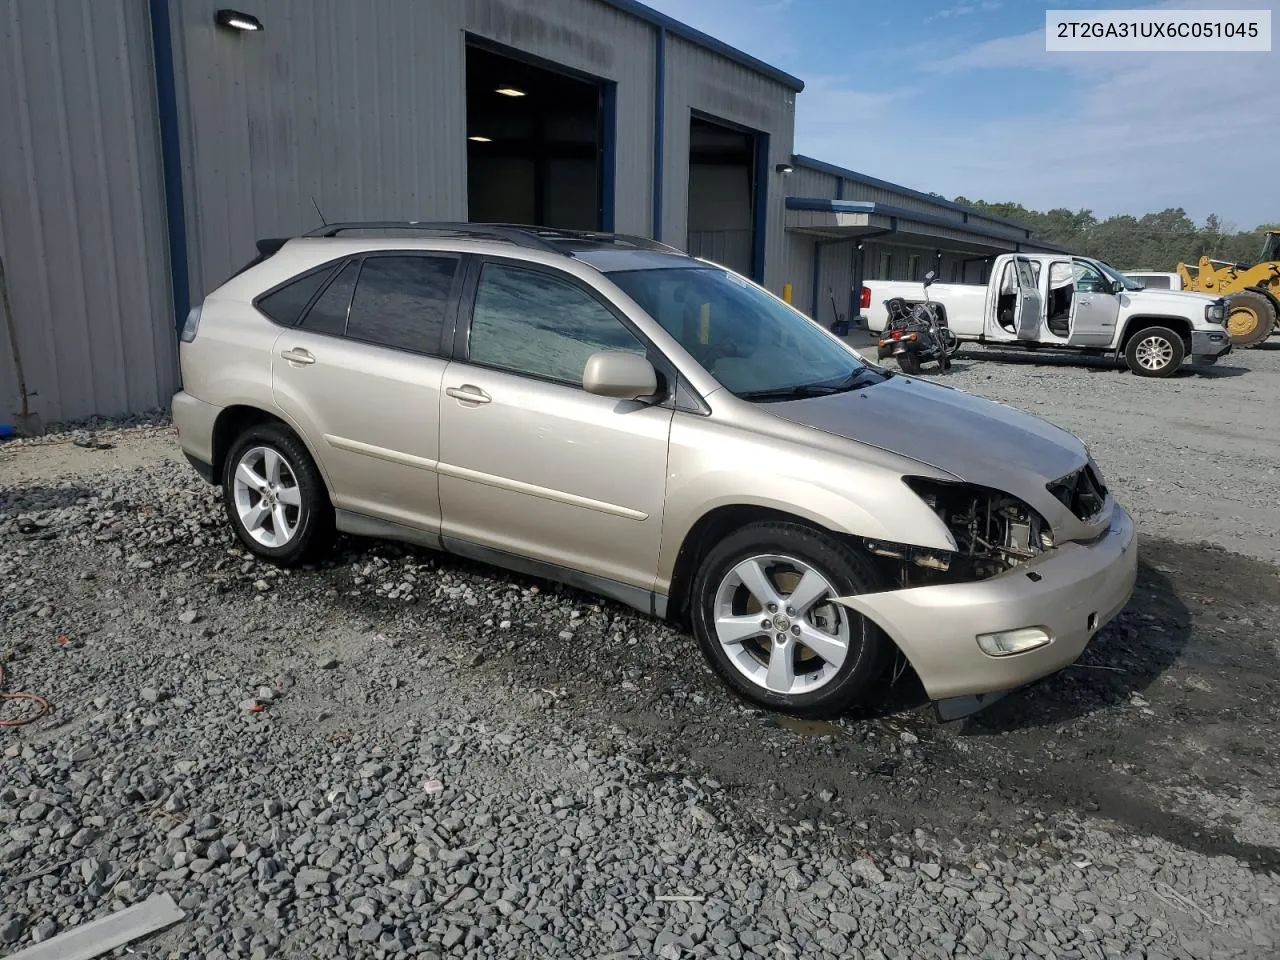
(1044, 301)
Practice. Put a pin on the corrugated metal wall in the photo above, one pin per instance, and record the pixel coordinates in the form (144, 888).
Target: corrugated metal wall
(698, 79)
(82, 228)
(603, 42)
(360, 106)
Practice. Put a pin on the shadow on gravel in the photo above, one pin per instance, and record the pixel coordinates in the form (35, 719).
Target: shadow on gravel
(38, 498)
(1126, 657)
(1215, 372)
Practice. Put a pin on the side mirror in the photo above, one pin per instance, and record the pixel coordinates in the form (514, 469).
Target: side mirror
(930, 278)
(614, 373)
(1117, 286)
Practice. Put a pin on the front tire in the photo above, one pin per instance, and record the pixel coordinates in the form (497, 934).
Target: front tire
(909, 363)
(1155, 352)
(1251, 318)
(814, 657)
(275, 497)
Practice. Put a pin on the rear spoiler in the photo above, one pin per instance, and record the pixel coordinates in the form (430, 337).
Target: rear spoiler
(267, 248)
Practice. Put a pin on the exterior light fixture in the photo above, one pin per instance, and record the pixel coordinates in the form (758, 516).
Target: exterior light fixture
(235, 20)
(784, 168)
(510, 92)
(479, 139)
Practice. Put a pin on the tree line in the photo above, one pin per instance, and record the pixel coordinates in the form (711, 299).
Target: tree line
(1154, 241)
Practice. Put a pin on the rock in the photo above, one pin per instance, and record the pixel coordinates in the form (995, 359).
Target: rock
(11, 928)
(188, 616)
(44, 930)
(310, 876)
(81, 754)
(868, 871)
(931, 870)
(327, 663)
(150, 694)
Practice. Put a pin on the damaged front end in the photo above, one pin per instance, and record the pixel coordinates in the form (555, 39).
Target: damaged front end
(993, 532)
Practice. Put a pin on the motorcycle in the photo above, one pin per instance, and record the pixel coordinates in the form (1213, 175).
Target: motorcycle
(918, 334)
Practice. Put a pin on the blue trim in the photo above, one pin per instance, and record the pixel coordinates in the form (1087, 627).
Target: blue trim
(832, 206)
(659, 127)
(889, 210)
(609, 154)
(171, 159)
(823, 167)
(686, 32)
(760, 208)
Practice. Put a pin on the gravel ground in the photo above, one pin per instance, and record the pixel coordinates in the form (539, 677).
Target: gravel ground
(317, 764)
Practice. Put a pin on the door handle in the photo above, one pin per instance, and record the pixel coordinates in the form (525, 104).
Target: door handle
(298, 355)
(468, 394)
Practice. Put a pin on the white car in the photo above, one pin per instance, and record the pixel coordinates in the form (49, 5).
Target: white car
(1037, 301)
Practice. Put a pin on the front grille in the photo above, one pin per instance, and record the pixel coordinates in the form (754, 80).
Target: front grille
(1081, 492)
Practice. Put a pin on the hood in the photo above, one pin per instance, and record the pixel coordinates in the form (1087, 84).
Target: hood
(975, 440)
(1181, 300)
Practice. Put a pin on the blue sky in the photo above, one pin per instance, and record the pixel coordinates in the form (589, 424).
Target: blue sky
(960, 97)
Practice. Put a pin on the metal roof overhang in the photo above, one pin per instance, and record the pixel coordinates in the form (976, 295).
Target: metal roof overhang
(856, 219)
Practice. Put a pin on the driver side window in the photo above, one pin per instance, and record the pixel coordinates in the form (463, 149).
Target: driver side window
(1089, 279)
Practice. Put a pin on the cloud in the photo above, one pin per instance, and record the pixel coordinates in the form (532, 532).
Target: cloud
(1124, 133)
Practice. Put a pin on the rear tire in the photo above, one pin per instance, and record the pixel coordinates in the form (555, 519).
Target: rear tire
(275, 497)
(779, 562)
(1155, 352)
(909, 363)
(1251, 318)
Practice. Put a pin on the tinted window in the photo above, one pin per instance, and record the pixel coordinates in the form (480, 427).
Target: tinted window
(400, 302)
(286, 304)
(1155, 283)
(329, 313)
(533, 323)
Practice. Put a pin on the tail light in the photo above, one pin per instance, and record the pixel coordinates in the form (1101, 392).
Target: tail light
(864, 301)
(191, 326)
(896, 335)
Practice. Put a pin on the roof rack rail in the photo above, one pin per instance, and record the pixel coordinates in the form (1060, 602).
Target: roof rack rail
(601, 236)
(517, 235)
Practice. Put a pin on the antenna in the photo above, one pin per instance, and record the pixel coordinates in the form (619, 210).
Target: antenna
(318, 213)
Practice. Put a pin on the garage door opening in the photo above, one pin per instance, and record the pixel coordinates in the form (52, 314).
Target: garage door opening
(724, 176)
(539, 144)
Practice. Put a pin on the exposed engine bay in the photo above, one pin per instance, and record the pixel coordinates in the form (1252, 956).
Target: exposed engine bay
(994, 532)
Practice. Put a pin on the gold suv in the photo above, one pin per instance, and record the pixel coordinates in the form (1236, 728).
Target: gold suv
(608, 412)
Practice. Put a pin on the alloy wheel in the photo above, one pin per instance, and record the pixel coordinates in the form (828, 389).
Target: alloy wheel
(268, 500)
(776, 621)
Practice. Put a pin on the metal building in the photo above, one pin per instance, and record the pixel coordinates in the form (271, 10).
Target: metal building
(145, 147)
(843, 227)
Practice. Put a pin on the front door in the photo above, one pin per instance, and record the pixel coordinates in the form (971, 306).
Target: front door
(530, 463)
(360, 376)
(1095, 309)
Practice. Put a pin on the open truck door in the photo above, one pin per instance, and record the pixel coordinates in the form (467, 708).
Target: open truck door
(1030, 306)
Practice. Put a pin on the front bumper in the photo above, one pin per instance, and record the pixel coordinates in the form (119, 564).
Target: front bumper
(1070, 592)
(1209, 343)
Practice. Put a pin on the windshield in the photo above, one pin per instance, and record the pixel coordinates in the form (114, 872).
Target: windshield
(756, 346)
(1114, 274)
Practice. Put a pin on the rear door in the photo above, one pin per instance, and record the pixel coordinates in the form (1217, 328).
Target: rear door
(1095, 310)
(1030, 304)
(361, 374)
(531, 464)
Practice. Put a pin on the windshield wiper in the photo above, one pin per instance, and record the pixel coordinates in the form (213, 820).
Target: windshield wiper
(802, 391)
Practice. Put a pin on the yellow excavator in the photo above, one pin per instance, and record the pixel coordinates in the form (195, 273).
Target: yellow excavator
(1254, 291)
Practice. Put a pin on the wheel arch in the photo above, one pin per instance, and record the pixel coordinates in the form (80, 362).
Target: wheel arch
(236, 419)
(1179, 325)
(713, 525)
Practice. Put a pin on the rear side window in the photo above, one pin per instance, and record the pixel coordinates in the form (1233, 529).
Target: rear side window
(329, 313)
(286, 304)
(401, 302)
